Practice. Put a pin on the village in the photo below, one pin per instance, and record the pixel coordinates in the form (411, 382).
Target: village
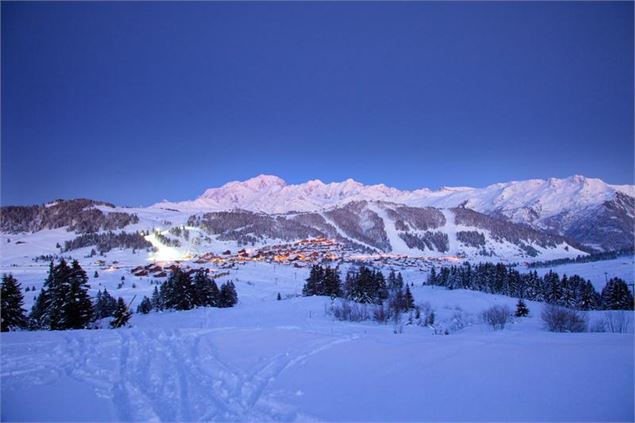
(299, 254)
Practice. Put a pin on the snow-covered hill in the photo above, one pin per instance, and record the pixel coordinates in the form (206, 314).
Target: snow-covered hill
(377, 226)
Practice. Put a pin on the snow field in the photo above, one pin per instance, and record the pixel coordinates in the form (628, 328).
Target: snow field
(269, 360)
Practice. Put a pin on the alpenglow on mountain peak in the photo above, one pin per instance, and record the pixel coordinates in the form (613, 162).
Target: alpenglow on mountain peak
(533, 199)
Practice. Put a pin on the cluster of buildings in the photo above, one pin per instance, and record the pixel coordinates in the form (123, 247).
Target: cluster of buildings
(299, 254)
(311, 251)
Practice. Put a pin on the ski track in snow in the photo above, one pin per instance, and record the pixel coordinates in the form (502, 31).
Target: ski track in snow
(166, 375)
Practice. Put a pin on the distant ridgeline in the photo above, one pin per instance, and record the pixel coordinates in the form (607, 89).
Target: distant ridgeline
(572, 292)
(608, 255)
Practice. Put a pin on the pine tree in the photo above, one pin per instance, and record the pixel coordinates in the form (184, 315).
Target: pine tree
(331, 283)
(145, 306)
(98, 306)
(121, 315)
(588, 297)
(616, 295)
(409, 301)
(105, 305)
(77, 308)
(59, 294)
(12, 312)
(178, 291)
(39, 317)
(366, 286)
(553, 292)
(95, 275)
(380, 288)
(206, 291)
(157, 304)
(521, 308)
(432, 277)
(314, 283)
(228, 296)
(399, 280)
(397, 301)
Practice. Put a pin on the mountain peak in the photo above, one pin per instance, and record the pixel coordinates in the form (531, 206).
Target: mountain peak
(263, 181)
(271, 194)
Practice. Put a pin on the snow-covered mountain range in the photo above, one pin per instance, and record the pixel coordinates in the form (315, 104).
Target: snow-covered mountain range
(533, 219)
(537, 197)
(562, 206)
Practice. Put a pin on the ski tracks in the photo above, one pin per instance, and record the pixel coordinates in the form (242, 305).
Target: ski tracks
(172, 376)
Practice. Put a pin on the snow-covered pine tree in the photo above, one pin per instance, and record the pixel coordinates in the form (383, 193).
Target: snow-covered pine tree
(332, 284)
(39, 317)
(588, 297)
(616, 295)
(145, 306)
(409, 301)
(78, 308)
(228, 296)
(59, 294)
(314, 283)
(183, 293)
(432, 277)
(105, 305)
(206, 291)
(567, 289)
(12, 312)
(521, 308)
(122, 315)
(380, 289)
(553, 292)
(157, 304)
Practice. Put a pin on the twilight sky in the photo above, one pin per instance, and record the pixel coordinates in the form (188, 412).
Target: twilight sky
(136, 102)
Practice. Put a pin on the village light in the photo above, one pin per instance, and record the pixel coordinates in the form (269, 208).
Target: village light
(163, 252)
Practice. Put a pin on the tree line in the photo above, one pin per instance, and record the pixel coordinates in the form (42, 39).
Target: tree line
(64, 301)
(606, 255)
(572, 292)
(362, 285)
(182, 292)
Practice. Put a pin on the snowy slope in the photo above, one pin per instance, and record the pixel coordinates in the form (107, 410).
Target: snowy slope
(267, 360)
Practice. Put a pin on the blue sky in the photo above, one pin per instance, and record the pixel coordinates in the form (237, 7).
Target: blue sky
(137, 102)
